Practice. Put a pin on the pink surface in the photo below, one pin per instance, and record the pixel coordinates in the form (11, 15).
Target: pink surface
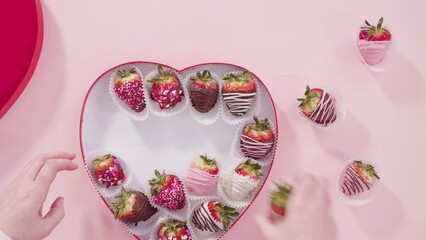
(21, 26)
(287, 44)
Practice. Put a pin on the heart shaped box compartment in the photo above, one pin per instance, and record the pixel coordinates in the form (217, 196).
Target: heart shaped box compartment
(166, 143)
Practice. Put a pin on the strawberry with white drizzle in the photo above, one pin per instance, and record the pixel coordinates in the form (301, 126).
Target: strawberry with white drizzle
(129, 88)
(213, 216)
(319, 106)
(202, 175)
(243, 181)
(358, 177)
(238, 92)
(257, 139)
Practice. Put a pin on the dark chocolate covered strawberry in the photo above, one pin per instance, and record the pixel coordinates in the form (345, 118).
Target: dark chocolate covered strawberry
(166, 88)
(213, 216)
(132, 207)
(129, 88)
(319, 106)
(203, 91)
(257, 139)
(238, 92)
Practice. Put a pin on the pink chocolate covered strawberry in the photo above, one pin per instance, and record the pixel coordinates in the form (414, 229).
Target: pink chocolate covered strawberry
(167, 190)
(257, 139)
(174, 229)
(213, 216)
(108, 170)
(374, 42)
(203, 91)
(243, 181)
(166, 88)
(319, 106)
(129, 88)
(202, 175)
(238, 92)
(132, 206)
(358, 177)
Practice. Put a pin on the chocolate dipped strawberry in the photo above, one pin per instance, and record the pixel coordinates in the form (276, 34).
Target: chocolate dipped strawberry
(358, 177)
(238, 92)
(132, 206)
(213, 216)
(167, 191)
(319, 106)
(243, 180)
(108, 171)
(374, 42)
(129, 88)
(279, 198)
(257, 139)
(203, 91)
(202, 175)
(175, 230)
(166, 88)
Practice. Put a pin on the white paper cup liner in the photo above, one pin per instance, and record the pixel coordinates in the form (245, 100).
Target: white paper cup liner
(182, 213)
(236, 148)
(226, 178)
(112, 190)
(199, 234)
(154, 107)
(387, 60)
(213, 115)
(137, 116)
(361, 198)
(228, 117)
(142, 227)
(340, 108)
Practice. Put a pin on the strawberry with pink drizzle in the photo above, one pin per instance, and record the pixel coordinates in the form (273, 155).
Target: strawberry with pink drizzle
(129, 88)
(108, 171)
(358, 177)
(319, 106)
(257, 139)
(202, 175)
(167, 191)
(166, 88)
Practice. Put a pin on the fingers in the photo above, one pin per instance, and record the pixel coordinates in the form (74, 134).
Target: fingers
(47, 174)
(265, 226)
(54, 216)
(33, 167)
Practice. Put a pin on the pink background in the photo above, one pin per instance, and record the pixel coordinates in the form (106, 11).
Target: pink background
(287, 44)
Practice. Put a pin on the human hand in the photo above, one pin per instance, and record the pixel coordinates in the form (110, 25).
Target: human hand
(308, 215)
(22, 201)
